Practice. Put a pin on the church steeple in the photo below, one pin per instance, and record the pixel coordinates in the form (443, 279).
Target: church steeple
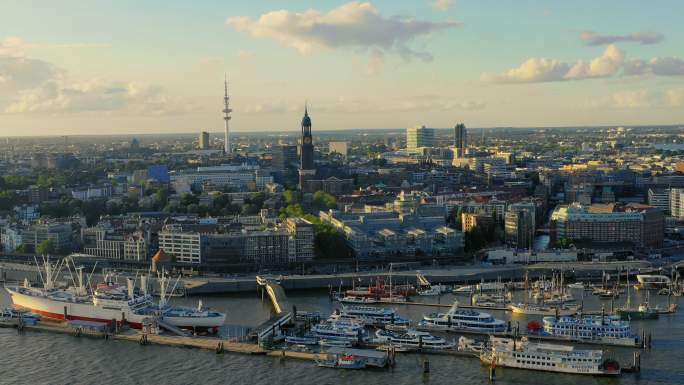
(306, 121)
(307, 142)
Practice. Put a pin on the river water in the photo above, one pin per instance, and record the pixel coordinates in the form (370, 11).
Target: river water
(43, 358)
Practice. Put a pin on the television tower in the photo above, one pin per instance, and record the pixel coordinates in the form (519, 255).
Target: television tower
(226, 117)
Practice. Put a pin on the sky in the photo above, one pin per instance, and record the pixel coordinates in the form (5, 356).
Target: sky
(157, 66)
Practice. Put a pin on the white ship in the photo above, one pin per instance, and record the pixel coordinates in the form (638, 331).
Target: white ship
(463, 320)
(601, 329)
(510, 353)
(413, 339)
(533, 309)
(339, 331)
(369, 316)
(108, 303)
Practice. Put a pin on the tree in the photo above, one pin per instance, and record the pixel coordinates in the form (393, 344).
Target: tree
(290, 197)
(188, 199)
(45, 247)
(454, 218)
(22, 249)
(324, 200)
(329, 243)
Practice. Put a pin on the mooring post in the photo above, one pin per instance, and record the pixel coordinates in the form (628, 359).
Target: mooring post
(426, 367)
(637, 362)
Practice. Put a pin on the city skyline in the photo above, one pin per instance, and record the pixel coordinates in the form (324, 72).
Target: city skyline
(363, 65)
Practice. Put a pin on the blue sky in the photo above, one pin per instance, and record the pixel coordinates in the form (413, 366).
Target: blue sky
(69, 67)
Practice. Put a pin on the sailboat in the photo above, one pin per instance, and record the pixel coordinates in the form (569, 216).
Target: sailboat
(643, 311)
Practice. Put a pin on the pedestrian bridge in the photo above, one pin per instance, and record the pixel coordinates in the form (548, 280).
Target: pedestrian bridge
(272, 328)
(271, 284)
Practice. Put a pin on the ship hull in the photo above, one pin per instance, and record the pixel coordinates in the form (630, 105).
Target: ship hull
(60, 311)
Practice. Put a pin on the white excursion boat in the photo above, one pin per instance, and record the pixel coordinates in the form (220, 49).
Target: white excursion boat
(576, 285)
(597, 329)
(492, 299)
(508, 352)
(352, 299)
(533, 309)
(339, 331)
(463, 320)
(413, 339)
(369, 316)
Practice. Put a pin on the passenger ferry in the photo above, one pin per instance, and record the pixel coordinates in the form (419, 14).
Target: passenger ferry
(510, 353)
(413, 339)
(370, 316)
(339, 331)
(602, 329)
(463, 320)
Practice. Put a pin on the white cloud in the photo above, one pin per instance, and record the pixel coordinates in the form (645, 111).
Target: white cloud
(35, 86)
(356, 105)
(592, 38)
(533, 70)
(665, 66)
(624, 100)
(376, 63)
(353, 25)
(640, 99)
(245, 56)
(610, 63)
(21, 72)
(675, 97)
(442, 5)
(16, 46)
(64, 96)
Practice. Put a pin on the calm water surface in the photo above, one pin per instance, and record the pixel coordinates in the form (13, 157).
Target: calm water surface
(42, 358)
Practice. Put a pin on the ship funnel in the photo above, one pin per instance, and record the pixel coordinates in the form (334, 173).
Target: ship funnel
(129, 281)
(143, 284)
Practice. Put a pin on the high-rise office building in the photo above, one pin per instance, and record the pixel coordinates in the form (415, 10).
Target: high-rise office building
(284, 156)
(203, 142)
(677, 203)
(460, 139)
(520, 225)
(306, 165)
(419, 136)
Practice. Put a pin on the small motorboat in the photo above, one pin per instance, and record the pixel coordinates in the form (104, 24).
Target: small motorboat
(342, 361)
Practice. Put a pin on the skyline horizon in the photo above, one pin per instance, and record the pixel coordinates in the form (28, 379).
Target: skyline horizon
(368, 64)
(340, 130)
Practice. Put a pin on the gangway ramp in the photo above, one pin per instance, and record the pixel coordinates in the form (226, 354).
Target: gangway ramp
(168, 327)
